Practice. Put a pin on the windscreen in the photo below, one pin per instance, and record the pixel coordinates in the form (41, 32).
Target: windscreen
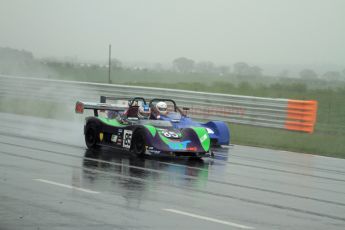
(156, 123)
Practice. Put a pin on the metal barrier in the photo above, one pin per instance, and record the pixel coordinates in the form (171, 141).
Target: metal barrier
(297, 115)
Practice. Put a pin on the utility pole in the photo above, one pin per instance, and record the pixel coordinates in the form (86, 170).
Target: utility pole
(109, 63)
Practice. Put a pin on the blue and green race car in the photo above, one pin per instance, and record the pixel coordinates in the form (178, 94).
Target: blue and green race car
(141, 136)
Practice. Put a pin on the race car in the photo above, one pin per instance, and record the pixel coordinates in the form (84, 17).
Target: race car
(129, 131)
(218, 130)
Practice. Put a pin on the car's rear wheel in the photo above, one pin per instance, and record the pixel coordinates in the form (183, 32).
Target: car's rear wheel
(214, 143)
(139, 143)
(91, 135)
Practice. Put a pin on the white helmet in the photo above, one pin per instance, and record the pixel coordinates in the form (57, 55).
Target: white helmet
(162, 107)
(144, 112)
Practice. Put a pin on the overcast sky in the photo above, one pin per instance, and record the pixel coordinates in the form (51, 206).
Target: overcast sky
(223, 31)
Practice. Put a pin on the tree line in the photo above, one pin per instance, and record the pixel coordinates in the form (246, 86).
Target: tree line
(13, 60)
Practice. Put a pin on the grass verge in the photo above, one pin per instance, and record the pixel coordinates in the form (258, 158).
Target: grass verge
(317, 143)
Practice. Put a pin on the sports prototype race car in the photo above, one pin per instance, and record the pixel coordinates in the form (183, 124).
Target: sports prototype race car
(125, 129)
(217, 130)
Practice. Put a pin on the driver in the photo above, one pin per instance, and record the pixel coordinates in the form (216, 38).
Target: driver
(160, 109)
(144, 112)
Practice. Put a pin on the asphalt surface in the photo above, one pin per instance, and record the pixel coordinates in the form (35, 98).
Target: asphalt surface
(49, 180)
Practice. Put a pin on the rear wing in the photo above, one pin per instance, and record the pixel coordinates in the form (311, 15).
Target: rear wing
(81, 106)
(129, 101)
(103, 99)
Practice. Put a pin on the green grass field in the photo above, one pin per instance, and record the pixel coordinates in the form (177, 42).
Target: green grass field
(317, 143)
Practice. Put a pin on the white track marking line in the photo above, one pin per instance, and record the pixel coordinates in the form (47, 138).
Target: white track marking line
(66, 186)
(208, 218)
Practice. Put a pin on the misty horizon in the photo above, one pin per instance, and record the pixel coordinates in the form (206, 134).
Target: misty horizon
(266, 69)
(268, 32)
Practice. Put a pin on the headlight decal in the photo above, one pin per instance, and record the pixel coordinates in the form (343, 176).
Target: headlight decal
(209, 131)
(203, 137)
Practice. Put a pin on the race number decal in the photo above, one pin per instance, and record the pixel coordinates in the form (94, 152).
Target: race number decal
(166, 134)
(127, 137)
(170, 134)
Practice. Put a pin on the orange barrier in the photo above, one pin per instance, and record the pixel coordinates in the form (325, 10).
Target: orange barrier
(301, 115)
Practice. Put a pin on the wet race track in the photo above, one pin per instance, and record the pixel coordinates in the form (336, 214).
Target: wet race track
(49, 180)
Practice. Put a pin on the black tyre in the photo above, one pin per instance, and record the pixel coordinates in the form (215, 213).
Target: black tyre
(91, 135)
(214, 143)
(139, 143)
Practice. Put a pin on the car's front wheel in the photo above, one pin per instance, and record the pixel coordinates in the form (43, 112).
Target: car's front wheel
(91, 136)
(139, 143)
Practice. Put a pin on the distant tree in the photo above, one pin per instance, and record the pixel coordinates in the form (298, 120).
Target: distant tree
(223, 69)
(95, 67)
(241, 68)
(183, 65)
(205, 67)
(6, 52)
(332, 76)
(116, 63)
(255, 71)
(158, 67)
(308, 74)
(283, 74)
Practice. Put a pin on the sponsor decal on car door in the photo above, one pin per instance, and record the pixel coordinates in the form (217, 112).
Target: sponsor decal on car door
(114, 138)
(127, 138)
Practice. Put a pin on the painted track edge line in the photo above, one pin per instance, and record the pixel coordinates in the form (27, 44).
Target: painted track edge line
(208, 218)
(66, 186)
